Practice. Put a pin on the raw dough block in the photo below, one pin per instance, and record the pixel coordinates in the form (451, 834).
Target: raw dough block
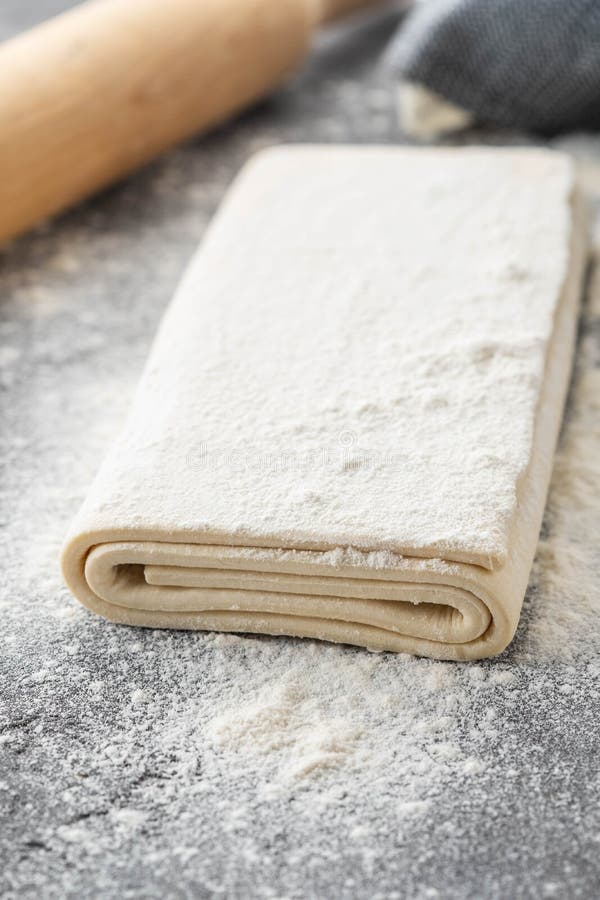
(346, 426)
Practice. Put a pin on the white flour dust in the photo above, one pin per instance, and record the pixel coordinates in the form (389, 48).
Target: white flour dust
(325, 721)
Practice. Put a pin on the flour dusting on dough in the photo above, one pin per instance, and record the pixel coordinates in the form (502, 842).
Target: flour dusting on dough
(564, 606)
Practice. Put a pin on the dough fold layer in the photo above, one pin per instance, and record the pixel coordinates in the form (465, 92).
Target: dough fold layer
(394, 494)
(219, 587)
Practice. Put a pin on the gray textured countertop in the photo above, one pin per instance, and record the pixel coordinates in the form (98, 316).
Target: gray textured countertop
(162, 764)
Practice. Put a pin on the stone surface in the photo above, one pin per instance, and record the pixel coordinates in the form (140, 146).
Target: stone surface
(156, 764)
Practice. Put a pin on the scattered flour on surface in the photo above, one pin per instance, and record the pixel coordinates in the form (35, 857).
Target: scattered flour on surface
(346, 720)
(231, 739)
(284, 718)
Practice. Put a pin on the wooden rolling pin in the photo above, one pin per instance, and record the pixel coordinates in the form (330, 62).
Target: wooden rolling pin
(96, 92)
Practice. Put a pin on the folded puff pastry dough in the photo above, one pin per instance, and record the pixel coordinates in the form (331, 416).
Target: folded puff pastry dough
(346, 426)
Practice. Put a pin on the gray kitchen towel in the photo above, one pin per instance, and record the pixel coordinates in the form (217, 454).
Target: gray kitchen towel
(531, 64)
